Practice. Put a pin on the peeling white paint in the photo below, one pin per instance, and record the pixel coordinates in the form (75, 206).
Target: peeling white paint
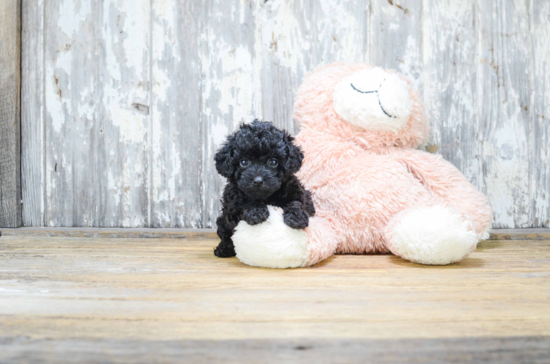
(162, 84)
(134, 18)
(57, 88)
(219, 134)
(54, 105)
(131, 125)
(73, 13)
(281, 34)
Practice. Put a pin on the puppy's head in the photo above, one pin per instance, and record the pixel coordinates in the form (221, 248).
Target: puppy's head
(258, 158)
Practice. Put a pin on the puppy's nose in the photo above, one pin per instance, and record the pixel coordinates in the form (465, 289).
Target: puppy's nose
(258, 180)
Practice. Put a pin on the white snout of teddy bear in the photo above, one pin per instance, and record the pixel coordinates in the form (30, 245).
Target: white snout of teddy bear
(373, 99)
(271, 244)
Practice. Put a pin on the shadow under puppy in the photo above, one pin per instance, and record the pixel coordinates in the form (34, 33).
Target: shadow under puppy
(259, 162)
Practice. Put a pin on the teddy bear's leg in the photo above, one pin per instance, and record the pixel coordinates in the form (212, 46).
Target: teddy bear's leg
(431, 234)
(273, 244)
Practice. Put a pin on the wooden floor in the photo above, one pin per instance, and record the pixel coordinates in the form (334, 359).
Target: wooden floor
(170, 300)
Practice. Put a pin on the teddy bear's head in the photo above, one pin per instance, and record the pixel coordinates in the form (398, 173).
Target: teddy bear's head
(371, 105)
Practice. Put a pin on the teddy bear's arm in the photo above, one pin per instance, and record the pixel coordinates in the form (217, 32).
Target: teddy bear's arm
(445, 181)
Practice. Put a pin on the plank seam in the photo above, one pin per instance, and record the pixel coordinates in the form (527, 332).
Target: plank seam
(504, 234)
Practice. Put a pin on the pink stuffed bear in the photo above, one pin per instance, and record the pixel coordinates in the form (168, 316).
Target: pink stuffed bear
(373, 191)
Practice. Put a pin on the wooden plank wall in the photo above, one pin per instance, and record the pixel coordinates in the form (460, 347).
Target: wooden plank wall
(125, 103)
(10, 127)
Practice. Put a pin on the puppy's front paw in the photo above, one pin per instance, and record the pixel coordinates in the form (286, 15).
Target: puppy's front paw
(256, 215)
(296, 219)
(225, 250)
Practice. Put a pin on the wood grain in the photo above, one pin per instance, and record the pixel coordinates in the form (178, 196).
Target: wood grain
(10, 117)
(507, 350)
(539, 170)
(71, 113)
(145, 94)
(396, 37)
(450, 51)
(97, 92)
(176, 196)
(118, 293)
(504, 106)
(33, 113)
(121, 131)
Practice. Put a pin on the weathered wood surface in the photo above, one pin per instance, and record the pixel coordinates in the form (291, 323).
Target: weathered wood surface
(540, 137)
(101, 300)
(10, 121)
(502, 350)
(498, 234)
(125, 105)
(33, 156)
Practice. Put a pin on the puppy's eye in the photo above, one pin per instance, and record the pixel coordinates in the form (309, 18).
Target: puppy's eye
(273, 163)
(244, 163)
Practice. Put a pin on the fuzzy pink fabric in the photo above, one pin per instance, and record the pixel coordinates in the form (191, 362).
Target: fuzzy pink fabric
(364, 181)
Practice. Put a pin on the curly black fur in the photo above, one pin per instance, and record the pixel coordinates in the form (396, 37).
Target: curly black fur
(259, 162)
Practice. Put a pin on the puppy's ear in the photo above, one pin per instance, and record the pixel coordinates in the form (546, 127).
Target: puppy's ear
(224, 160)
(294, 157)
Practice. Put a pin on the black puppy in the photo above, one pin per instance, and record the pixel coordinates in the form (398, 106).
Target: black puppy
(259, 162)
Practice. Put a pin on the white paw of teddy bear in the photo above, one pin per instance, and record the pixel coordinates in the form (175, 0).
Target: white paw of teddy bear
(271, 244)
(434, 235)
